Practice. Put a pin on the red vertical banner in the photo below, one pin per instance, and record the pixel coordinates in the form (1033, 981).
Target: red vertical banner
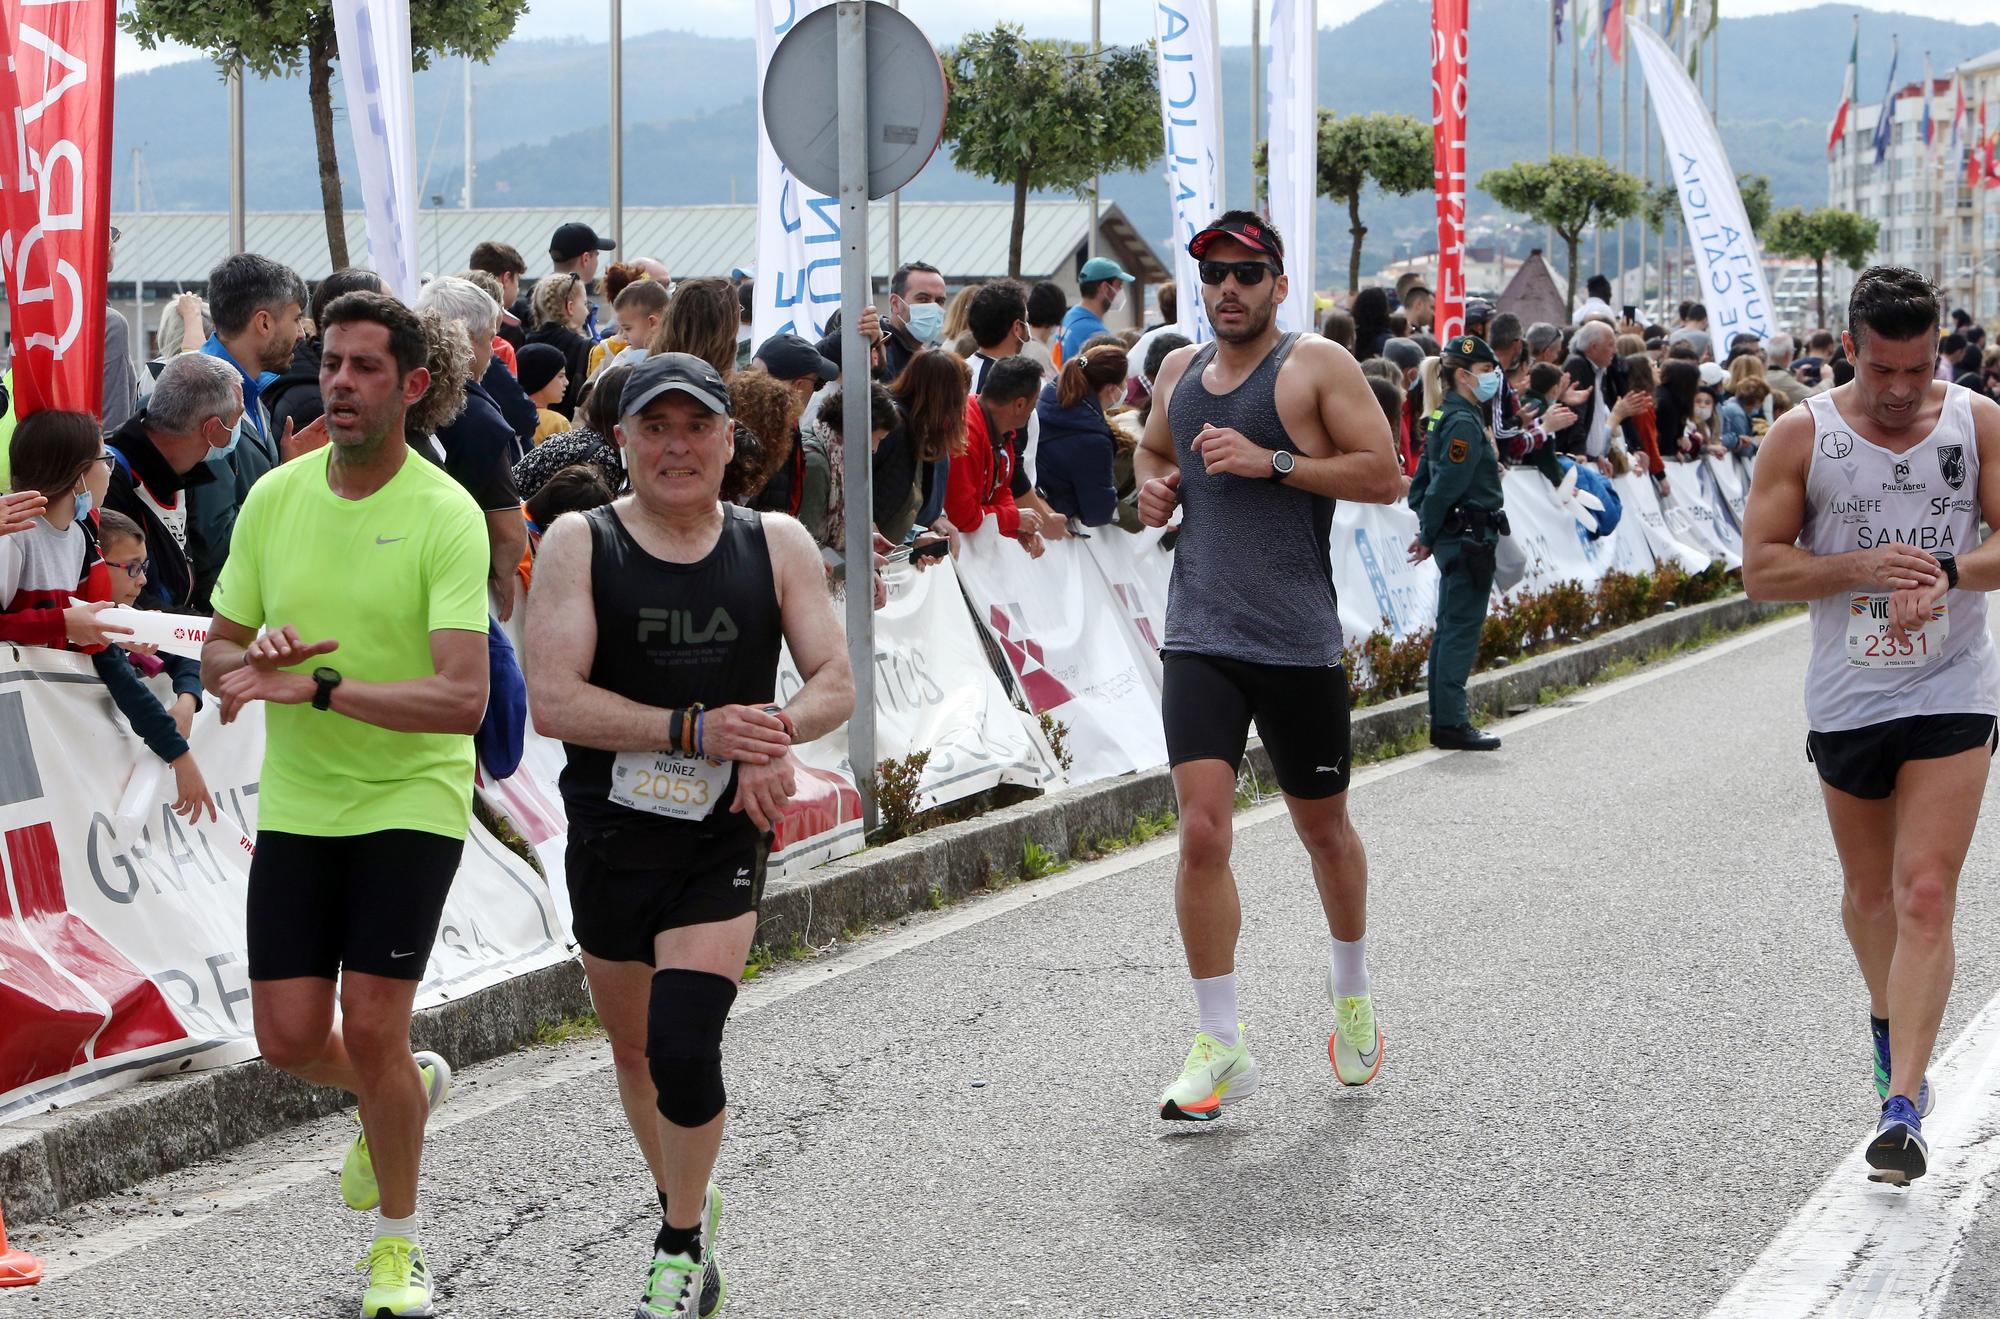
(1448, 23)
(55, 196)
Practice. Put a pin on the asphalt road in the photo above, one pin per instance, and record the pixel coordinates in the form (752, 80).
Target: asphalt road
(1625, 1046)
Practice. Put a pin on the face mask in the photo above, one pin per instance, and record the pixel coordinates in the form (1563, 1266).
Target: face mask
(926, 322)
(1487, 386)
(235, 434)
(1703, 411)
(82, 505)
(1117, 302)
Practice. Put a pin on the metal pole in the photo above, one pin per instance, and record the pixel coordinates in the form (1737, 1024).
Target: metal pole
(1597, 236)
(138, 269)
(896, 201)
(236, 240)
(617, 123)
(1624, 146)
(1575, 87)
(851, 63)
(1549, 40)
(1096, 53)
(1646, 174)
(469, 162)
(1256, 94)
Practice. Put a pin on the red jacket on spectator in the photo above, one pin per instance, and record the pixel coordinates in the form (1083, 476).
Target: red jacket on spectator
(982, 478)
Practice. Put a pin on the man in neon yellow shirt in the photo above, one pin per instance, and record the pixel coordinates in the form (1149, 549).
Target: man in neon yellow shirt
(366, 789)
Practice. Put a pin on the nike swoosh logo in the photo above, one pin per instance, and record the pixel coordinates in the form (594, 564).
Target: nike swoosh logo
(389, 540)
(400, 956)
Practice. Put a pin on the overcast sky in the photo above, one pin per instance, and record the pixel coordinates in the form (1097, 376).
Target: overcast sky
(947, 20)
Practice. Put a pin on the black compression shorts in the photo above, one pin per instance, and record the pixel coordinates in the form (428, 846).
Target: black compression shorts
(1300, 712)
(1864, 762)
(363, 902)
(623, 890)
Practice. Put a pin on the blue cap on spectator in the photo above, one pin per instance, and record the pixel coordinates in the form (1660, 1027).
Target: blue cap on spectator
(1102, 267)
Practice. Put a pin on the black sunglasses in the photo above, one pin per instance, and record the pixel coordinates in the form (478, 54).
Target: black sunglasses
(1248, 273)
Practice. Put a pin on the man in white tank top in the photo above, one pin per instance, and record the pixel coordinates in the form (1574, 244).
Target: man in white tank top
(1867, 503)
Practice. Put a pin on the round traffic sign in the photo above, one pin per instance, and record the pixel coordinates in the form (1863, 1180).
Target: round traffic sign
(906, 99)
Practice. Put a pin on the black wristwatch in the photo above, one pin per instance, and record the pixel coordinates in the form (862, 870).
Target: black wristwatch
(324, 681)
(1948, 562)
(1282, 464)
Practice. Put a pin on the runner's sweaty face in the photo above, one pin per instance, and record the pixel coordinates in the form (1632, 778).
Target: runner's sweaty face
(1240, 314)
(1892, 376)
(366, 393)
(676, 452)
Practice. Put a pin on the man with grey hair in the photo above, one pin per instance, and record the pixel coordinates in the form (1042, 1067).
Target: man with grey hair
(1594, 365)
(480, 448)
(1545, 342)
(157, 455)
(1778, 350)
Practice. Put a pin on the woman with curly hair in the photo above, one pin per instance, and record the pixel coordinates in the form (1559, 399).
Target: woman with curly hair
(559, 308)
(768, 410)
(448, 357)
(702, 320)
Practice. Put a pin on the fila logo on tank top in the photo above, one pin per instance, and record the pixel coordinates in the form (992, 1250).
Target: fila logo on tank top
(1860, 495)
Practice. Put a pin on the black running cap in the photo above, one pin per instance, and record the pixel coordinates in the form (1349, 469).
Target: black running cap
(665, 373)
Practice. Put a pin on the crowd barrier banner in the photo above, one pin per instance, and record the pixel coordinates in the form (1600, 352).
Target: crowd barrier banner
(1292, 73)
(374, 40)
(1379, 589)
(798, 230)
(1727, 263)
(1045, 614)
(1547, 534)
(122, 948)
(1191, 110)
(1137, 568)
(55, 197)
(1644, 514)
(1699, 515)
(1732, 484)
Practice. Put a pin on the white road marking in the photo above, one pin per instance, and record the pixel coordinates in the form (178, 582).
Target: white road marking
(519, 1076)
(1858, 1249)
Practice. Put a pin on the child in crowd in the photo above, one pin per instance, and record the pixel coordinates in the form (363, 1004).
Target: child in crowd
(545, 380)
(54, 585)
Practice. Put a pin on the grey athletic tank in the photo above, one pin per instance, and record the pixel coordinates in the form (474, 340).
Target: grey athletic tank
(1253, 569)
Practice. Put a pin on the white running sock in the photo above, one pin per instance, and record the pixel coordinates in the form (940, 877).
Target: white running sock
(397, 1227)
(1349, 966)
(1215, 999)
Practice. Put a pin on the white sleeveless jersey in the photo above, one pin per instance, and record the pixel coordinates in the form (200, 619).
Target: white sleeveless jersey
(1860, 495)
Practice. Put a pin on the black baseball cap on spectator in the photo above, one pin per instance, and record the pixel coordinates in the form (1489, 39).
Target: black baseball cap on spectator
(1246, 228)
(664, 373)
(788, 357)
(572, 240)
(539, 363)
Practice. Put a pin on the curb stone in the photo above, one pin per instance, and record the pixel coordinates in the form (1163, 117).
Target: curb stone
(56, 1160)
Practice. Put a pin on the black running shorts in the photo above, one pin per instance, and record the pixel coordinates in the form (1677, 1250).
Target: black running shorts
(1300, 712)
(624, 889)
(1864, 762)
(364, 902)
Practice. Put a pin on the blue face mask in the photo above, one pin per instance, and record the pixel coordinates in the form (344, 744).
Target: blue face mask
(83, 506)
(926, 322)
(1488, 386)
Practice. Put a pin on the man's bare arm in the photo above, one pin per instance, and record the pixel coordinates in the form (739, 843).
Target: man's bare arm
(812, 632)
(1363, 466)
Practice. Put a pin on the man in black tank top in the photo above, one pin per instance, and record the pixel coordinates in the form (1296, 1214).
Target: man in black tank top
(1253, 437)
(653, 635)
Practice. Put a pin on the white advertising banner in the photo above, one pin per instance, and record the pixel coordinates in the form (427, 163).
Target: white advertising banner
(1732, 485)
(798, 230)
(1045, 614)
(1379, 589)
(1727, 262)
(1697, 513)
(375, 73)
(1191, 112)
(1137, 567)
(1293, 77)
(122, 945)
(1643, 513)
(1546, 534)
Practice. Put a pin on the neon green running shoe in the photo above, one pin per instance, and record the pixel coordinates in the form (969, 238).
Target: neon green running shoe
(1355, 1047)
(399, 1282)
(1215, 1074)
(683, 1286)
(357, 1172)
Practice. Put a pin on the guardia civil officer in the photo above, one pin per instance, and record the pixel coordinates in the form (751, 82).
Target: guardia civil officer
(1456, 495)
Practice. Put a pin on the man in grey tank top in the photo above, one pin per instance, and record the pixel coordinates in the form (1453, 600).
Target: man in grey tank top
(1867, 503)
(1252, 438)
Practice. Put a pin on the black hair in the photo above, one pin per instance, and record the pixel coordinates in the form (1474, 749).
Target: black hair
(1156, 352)
(245, 284)
(1894, 302)
(1267, 231)
(746, 299)
(1370, 309)
(1697, 312)
(1046, 304)
(351, 280)
(1951, 345)
(882, 415)
(1011, 379)
(1598, 286)
(1414, 292)
(1504, 331)
(599, 410)
(574, 489)
(995, 310)
(899, 282)
(408, 343)
(1543, 377)
(50, 450)
(1088, 288)
(1390, 398)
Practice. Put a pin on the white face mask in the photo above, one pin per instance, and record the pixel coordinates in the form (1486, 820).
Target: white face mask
(1703, 411)
(1117, 301)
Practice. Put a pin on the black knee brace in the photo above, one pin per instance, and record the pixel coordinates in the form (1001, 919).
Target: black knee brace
(684, 1043)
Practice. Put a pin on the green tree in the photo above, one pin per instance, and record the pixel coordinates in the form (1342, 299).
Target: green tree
(1392, 151)
(273, 38)
(1568, 194)
(1662, 198)
(1048, 114)
(1820, 235)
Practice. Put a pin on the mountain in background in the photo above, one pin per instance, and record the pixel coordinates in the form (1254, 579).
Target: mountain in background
(541, 110)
